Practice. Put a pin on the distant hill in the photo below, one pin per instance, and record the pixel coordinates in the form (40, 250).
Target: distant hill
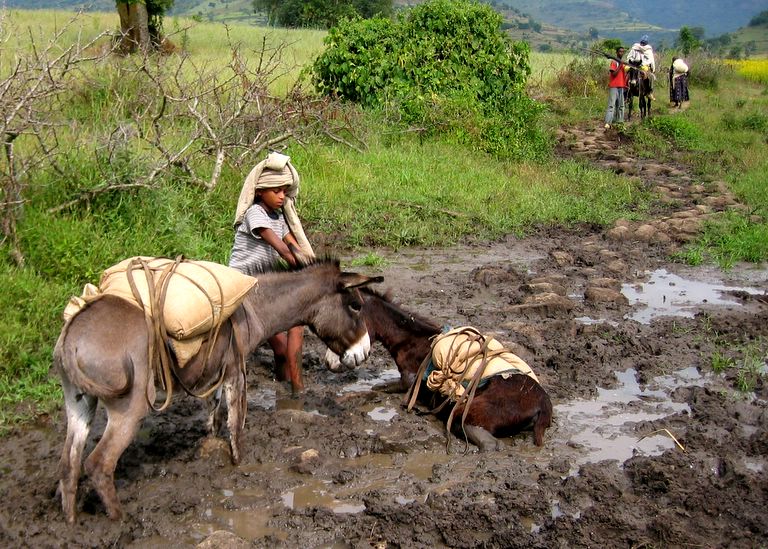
(545, 24)
(630, 19)
(749, 41)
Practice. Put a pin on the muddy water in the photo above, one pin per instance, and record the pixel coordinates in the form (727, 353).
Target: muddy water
(610, 427)
(667, 294)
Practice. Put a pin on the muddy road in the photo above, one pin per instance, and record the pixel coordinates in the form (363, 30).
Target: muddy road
(649, 448)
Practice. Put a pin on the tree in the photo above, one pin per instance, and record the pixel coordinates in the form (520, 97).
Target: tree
(608, 45)
(319, 13)
(141, 23)
(759, 19)
(687, 41)
(698, 33)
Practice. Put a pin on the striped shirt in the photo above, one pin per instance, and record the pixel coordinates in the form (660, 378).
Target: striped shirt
(251, 254)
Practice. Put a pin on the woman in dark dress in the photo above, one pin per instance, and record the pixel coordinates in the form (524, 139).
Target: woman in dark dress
(678, 82)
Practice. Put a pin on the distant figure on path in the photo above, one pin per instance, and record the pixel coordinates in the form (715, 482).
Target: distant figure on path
(617, 83)
(678, 82)
(641, 55)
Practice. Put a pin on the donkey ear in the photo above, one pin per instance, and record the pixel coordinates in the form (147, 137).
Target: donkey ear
(355, 280)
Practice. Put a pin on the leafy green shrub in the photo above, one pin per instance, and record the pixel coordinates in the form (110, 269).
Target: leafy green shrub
(444, 66)
(707, 71)
(609, 45)
(583, 76)
(359, 61)
(681, 131)
(756, 121)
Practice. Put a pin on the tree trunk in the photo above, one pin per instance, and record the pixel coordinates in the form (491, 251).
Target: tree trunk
(11, 204)
(134, 26)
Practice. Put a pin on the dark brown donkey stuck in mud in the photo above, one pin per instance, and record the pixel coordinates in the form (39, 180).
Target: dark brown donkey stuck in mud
(103, 353)
(501, 403)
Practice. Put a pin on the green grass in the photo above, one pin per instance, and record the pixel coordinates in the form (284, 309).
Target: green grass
(746, 363)
(737, 153)
(405, 193)
(370, 259)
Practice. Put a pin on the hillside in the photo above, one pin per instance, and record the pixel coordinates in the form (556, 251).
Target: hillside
(627, 19)
(545, 24)
(750, 41)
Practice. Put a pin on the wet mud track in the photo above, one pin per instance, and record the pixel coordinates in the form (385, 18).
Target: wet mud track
(649, 448)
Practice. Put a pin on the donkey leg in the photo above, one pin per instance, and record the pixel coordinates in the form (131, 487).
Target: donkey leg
(81, 409)
(483, 439)
(236, 409)
(279, 345)
(124, 417)
(542, 421)
(215, 413)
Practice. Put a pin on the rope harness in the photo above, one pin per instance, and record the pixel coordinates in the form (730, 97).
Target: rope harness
(160, 361)
(460, 361)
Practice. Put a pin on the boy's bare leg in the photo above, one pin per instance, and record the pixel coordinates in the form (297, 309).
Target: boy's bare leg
(279, 344)
(293, 365)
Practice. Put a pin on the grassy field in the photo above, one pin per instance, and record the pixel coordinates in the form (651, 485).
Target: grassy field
(752, 69)
(397, 190)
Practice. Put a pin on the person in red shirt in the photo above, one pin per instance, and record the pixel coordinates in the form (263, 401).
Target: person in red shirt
(617, 83)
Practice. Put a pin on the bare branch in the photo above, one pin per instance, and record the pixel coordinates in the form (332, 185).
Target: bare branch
(93, 193)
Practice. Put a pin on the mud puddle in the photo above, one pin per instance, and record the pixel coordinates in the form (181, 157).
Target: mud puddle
(616, 425)
(668, 294)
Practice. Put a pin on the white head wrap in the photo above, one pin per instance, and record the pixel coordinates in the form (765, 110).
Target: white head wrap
(679, 66)
(275, 171)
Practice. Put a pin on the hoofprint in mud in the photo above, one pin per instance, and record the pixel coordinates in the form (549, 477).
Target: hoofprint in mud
(649, 446)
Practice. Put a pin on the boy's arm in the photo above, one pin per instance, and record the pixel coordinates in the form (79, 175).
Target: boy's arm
(298, 252)
(271, 238)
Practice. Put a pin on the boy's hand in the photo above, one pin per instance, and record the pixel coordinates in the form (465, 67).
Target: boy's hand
(301, 257)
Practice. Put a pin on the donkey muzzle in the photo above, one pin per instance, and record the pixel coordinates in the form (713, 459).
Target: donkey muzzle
(352, 357)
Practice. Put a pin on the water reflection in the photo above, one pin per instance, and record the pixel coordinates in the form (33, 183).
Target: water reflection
(667, 294)
(603, 428)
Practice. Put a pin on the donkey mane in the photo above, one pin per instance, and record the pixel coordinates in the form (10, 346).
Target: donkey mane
(280, 266)
(418, 322)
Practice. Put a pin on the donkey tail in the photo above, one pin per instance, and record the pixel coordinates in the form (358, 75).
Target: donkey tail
(66, 363)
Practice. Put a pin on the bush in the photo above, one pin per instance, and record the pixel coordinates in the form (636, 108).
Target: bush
(583, 76)
(442, 60)
(684, 133)
(753, 121)
(706, 71)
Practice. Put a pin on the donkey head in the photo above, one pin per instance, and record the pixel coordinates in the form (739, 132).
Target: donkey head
(339, 321)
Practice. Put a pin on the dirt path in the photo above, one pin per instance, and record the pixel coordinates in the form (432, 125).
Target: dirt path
(622, 340)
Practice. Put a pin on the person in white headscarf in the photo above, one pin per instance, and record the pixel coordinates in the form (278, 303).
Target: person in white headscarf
(268, 229)
(678, 82)
(641, 55)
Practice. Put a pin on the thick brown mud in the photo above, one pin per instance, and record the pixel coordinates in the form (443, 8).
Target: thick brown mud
(650, 447)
